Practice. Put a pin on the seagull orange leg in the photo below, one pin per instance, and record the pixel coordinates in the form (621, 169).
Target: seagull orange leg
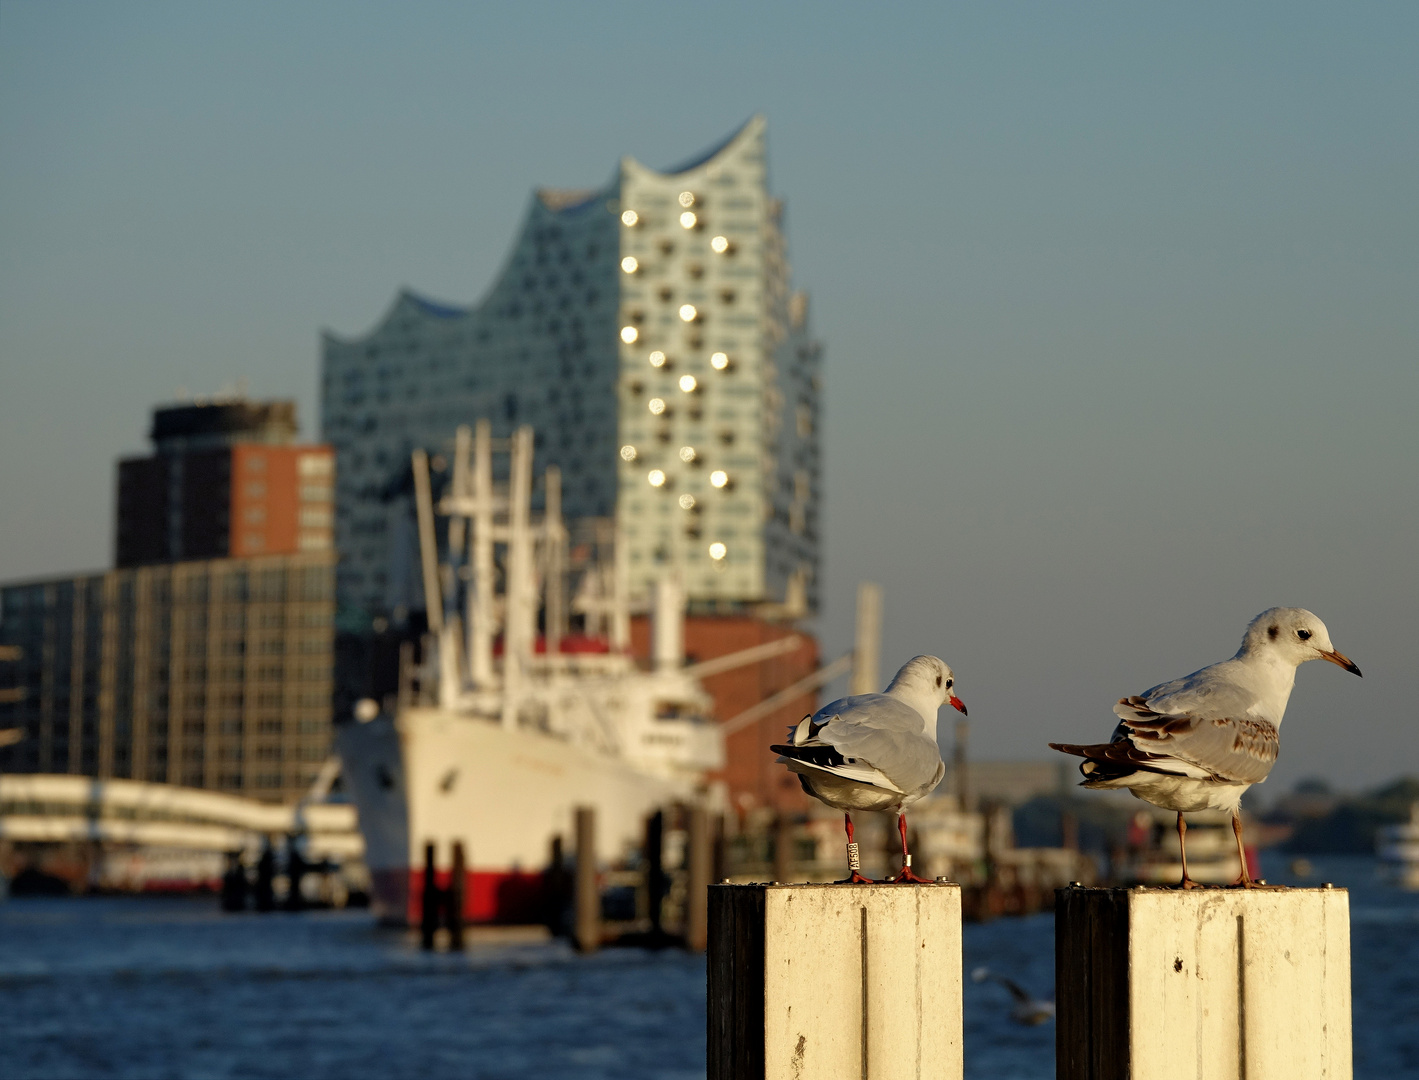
(906, 875)
(1246, 882)
(1186, 882)
(854, 863)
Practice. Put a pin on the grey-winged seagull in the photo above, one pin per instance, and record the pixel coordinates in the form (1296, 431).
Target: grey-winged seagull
(1198, 742)
(875, 751)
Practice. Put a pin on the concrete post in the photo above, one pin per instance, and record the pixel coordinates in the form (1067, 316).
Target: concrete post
(1208, 984)
(834, 982)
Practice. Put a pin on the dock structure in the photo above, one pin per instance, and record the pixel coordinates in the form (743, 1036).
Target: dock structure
(834, 982)
(1207, 984)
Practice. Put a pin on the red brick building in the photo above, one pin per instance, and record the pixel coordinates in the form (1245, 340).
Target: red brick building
(227, 481)
(752, 777)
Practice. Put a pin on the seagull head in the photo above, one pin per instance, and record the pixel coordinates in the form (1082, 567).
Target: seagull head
(1292, 635)
(927, 680)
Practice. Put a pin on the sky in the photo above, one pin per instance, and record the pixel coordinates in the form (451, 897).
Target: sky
(1119, 302)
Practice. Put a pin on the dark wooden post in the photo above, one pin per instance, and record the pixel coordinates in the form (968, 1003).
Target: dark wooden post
(655, 870)
(428, 901)
(783, 847)
(454, 897)
(588, 896)
(265, 875)
(697, 878)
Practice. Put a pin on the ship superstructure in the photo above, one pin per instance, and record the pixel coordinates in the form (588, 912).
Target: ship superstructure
(508, 722)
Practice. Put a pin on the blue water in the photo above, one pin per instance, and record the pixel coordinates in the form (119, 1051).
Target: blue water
(174, 988)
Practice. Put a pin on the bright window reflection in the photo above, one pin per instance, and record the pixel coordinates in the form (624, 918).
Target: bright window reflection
(629, 217)
(719, 478)
(688, 312)
(629, 334)
(719, 245)
(688, 383)
(717, 551)
(656, 477)
(719, 361)
(657, 405)
(688, 219)
(630, 264)
(628, 453)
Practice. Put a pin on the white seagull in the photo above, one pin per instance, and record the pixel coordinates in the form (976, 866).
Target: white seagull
(1198, 742)
(875, 751)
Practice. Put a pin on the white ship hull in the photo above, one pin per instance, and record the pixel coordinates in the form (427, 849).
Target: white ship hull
(435, 777)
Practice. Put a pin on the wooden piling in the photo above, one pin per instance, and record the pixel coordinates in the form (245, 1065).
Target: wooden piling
(1207, 984)
(698, 856)
(428, 901)
(655, 878)
(454, 897)
(834, 982)
(783, 847)
(588, 896)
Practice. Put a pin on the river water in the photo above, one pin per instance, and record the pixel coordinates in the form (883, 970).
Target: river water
(148, 988)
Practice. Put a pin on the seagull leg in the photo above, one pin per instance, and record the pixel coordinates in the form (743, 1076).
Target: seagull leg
(854, 864)
(1246, 882)
(906, 876)
(1186, 882)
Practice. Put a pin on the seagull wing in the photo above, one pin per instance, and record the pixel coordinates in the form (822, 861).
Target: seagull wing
(1237, 749)
(886, 733)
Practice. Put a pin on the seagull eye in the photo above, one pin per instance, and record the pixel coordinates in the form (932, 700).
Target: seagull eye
(1304, 635)
(948, 683)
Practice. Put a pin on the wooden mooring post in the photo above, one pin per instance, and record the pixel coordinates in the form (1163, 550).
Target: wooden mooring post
(1207, 984)
(834, 982)
(587, 899)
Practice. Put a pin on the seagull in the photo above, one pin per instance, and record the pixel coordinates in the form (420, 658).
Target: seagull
(1026, 1010)
(1198, 742)
(875, 751)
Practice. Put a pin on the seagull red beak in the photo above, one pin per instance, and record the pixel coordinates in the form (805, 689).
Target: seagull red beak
(1343, 660)
(960, 706)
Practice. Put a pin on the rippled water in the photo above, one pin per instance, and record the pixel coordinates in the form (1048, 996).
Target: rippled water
(174, 988)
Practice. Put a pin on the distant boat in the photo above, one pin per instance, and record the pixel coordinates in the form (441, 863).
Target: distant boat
(1398, 849)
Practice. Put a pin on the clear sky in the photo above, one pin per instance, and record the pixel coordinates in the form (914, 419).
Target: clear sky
(1120, 300)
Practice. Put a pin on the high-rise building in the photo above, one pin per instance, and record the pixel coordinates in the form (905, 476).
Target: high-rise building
(648, 332)
(207, 657)
(227, 479)
(211, 674)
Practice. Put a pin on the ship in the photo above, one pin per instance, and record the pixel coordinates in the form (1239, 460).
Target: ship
(500, 730)
(1398, 849)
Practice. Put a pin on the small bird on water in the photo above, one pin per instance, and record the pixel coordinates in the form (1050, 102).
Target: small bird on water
(1197, 743)
(875, 751)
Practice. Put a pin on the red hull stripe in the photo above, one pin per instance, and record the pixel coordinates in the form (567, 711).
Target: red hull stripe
(489, 896)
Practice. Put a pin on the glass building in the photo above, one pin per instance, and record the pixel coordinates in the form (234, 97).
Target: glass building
(649, 333)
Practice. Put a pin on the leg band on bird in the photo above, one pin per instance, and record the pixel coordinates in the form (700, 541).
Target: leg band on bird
(854, 861)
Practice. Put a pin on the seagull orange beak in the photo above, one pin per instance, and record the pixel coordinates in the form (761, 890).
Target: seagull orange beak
(1343, 660)
(960, 706)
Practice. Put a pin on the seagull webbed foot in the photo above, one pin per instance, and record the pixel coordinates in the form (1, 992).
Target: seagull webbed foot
(906, 877)
(855, 879)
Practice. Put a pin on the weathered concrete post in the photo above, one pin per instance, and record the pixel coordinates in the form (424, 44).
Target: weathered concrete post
(1207, 984)
(587, 925)
(834, 982)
